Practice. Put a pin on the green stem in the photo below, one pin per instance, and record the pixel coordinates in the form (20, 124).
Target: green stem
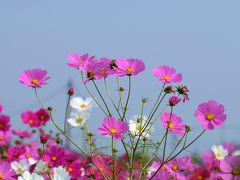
(113, 156)
(65, 134)
(65, 122)
(49, 173)
(129, 90)
(93, 96)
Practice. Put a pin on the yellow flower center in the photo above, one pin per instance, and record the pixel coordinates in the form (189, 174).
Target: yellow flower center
(199, 177)
(129, 69)
(140, 127)
(103, 71)
(19, 170)
(1, 138)
(34, 81)
(218, 154)
(28, 156)
(166, 78)
(171, 126)
(42, 117)
(31, 121)
(54, 158)
(80, 62)
(235, 172)
(1, 125)
(16, 155)
(113, 131)
(1, 175)
(101, 169)
(79, 120)
(83, 106)
(90, 73)
(174, 167)
(209, 116)
(163, 168)
(70, 169)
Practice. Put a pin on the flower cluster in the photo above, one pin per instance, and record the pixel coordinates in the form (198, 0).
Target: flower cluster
(138, 161)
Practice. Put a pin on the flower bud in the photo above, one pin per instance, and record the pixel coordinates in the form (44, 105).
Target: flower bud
(187, 128)
(50, 108)
(90, 134)
(169, 90)
(121, 89)
(174, 100)
(59, 140)
(144, 100)
(44, 138)
(71, 92)
(115, 150)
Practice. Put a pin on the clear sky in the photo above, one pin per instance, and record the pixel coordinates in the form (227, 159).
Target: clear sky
(200, 39)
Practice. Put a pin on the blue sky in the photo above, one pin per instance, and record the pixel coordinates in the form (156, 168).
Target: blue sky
(200, 39)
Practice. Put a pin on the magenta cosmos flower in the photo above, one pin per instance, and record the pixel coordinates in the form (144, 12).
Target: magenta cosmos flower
(4, 138)
(30, 118)
(1, 108)
(78, 60)
(22, 134)
(167, 74)
(43, 116)
(55, 156)
(113, 127)
(6, 172)
(33, 78)
(4, 123)
(173, 124)
(230, 167)
(129, 67)
(210, 114)
(174, 100)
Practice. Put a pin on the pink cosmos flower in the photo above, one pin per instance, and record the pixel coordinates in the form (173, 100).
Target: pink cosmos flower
(91, 68)
(173, 124)
(210, 114)
(6, 172)
(30, 118)
(55, 156)
(1, 108)
(174, 100)
(22, 134)
(74, 169)
(113, 127)
(43, 116)
(129, 67)
(33, 78)
(4, 137)
(230, 167)
(167, 74)
(229, 147)
(183, 90)
(4, 123)
(14, 153)
(78, 60)
(44, 138)
(105, 69)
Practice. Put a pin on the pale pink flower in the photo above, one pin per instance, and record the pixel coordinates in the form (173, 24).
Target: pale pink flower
(129, 67)
(210, 114)
(22, 134)
(173, 122)
(78, 61)
(167, 74)
(34, 78)
(4, 137)
(113, 127)
(6, 172)
(230, 167)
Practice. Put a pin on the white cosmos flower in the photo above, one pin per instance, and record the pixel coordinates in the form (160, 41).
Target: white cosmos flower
(82, 105)
(150, 169)
(41, 167)
(20, 167)
(78, 118)
(27, 176)
(219, 152)
(136, 125)
(61, 174)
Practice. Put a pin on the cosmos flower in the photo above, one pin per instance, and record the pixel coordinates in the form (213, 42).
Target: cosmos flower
(20, 167)
(78, 118)
(6, 172)
(210, 114)
(1, 108)
(60, 173)
(82, 105)
(54, 156)
(22, 134)
(129, 67)
(167, 74)
(113, 127)
(30, 118)
(43, 116)
(230, 167)
(219, 152)
(33, 78)
(4, 137)
(4, 123)
(173, 124)
(174, 100)
(78, 60)
(136, 125)
(27, 176)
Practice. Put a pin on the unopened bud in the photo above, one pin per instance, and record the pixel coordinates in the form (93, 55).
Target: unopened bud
(169, 90)
(44, 138)
(115, 150)
(50, 108)
(59, 140)
(71, 92)
(144, 100)
(121, 89)
(145, 139)
(187, 128)
(90, 134)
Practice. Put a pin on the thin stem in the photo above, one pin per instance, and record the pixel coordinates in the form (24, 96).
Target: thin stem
(93, 96)
(111, 98)
(109, 113)
(129, 90)
(113, 156)
(65, 134)
(120, 95)
(65, 121)
(49, 174)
